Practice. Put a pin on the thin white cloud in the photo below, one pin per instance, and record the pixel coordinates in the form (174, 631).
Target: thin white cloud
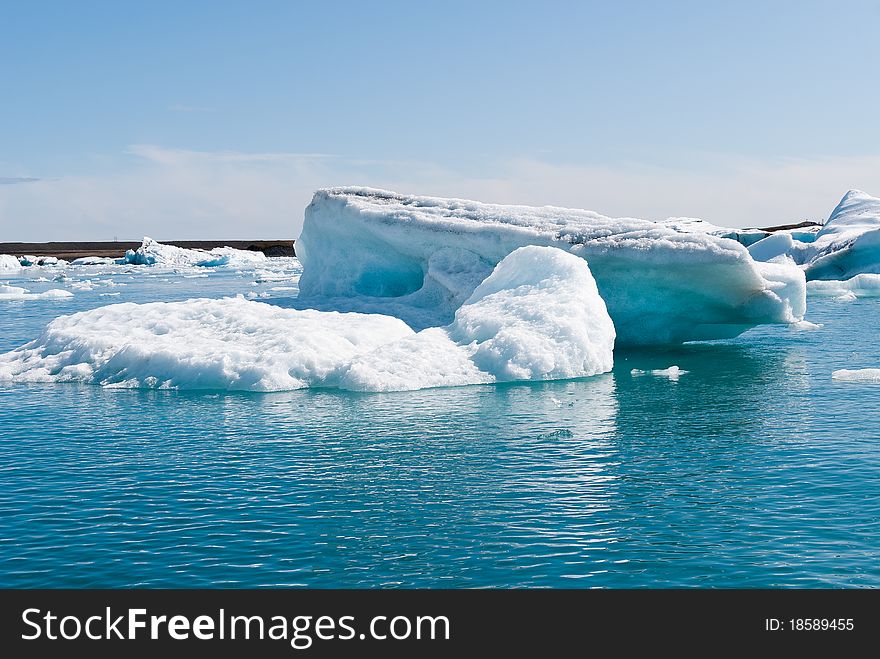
(179, 193)
(15, 180)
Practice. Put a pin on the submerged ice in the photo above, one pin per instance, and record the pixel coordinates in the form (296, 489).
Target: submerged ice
(420, 257)
(537, 316)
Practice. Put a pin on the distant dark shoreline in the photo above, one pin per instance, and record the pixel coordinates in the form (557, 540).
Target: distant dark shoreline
(74, 250)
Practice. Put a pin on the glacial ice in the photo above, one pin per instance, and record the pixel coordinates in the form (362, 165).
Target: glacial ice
(849, 243)
(152, 252)
(228, 344)
(774, 245)
(846, 246)
(9, 262)
(864, 375)
(866, 285)
(419, 258)
(537, 316)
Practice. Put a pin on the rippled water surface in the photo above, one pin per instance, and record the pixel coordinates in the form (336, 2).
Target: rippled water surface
(752, 469)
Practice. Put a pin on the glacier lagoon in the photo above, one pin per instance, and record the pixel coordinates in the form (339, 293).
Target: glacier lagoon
(749, 466)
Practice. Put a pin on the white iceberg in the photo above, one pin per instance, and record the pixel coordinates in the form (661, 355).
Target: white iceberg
(538, 316)
(9, 262)
(864, 375)
(866, 285)
(849, 243)
(771, 247)
(420, 258)
(152, 252)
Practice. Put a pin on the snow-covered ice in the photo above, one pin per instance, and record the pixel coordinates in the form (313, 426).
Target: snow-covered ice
(419, 258)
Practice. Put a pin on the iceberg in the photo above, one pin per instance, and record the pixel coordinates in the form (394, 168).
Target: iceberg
(771, 247)
(152, 252)
(849, 243)
(9, 262)
(537, 316)
(866, 285)
(420, 258)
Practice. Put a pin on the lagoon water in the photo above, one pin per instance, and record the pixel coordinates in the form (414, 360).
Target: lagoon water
(754, 468)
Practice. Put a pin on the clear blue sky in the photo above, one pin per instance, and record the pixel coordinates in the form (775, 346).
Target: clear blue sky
(216, 119)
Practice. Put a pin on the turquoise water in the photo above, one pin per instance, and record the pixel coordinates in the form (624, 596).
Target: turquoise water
(753, 469)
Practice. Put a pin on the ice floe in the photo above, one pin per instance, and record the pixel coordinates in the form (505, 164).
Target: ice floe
(19, 293)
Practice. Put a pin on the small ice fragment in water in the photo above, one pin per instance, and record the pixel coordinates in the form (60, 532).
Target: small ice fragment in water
(868, 375)
(673, 372)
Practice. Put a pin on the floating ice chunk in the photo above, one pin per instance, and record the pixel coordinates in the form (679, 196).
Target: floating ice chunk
(849, 243)
(866, 285)
(538, 316)
(152, 252)
(18, 293)
(672, 372)
(806, 326)
(97, 260)
(227, 344)
(866, 375)
(9, 262)
(774, 245)
(420, 257)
